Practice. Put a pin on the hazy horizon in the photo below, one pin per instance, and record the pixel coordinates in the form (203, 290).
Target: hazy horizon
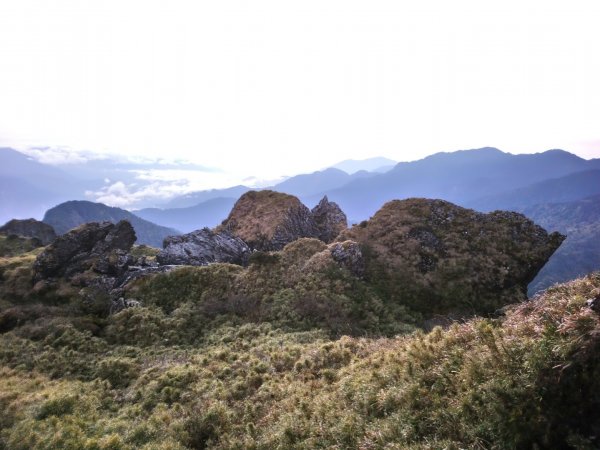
(178, 176)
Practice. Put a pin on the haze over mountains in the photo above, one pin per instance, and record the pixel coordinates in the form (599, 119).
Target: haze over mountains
(377, 164)
(483, 179)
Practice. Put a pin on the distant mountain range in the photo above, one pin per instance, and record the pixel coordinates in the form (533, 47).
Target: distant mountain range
(195, 198)
(461, 177)
(209, 213)
(571, 187)
(70, 214)
(377, 164)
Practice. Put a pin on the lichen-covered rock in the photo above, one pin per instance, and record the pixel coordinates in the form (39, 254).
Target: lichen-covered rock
(80, 249)
(439, 258)
(118, 305)
(202, 247)
(268, 220)
(330, 219)
(348, 255)
(30, 228)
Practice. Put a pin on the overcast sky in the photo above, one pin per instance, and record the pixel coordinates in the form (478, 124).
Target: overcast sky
(268, 88)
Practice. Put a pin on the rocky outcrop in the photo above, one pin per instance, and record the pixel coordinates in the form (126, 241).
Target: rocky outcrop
(268, 220)
(348, 255)
(330, 219)
(30, 228)
(98, 245)
(202, 247)
(439, 258)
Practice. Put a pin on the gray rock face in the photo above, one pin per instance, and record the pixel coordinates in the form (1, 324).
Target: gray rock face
(121, 303)
(348, 254)
(30, 228)
(329, 219)
(297, 224)
(202, 247)
(101, 245)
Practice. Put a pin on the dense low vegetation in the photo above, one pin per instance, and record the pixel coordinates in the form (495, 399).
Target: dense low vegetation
(196, 369)
(439, 258)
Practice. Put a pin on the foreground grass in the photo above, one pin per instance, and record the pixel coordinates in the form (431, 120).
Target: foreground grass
(529, 379)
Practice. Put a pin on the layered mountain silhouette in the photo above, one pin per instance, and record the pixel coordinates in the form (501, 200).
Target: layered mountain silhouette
(209, 213)
(377, 164)
(195, 198)
(71, 214)
(461, 177)
(580, 253)
(571, 187)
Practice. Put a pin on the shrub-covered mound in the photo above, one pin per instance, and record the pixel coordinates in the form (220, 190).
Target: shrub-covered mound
(299, 288)
(439, 258)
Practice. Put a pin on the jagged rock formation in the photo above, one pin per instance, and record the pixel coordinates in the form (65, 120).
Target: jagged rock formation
(30, 228)
(268, 220)
(330, 219)
(202, 247)
(437, 257)
(99, 245)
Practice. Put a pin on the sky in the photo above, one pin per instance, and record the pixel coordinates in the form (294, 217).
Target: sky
(270, 88)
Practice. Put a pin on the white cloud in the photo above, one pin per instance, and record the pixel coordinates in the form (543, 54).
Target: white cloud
(59, 155)
(153, 186)
(127, 196)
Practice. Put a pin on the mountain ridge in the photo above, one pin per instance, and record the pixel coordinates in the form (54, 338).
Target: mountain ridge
(73, 213)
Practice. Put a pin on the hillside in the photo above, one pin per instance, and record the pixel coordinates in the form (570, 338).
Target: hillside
(222, 357)
(70, 214)
(580, 253)
(572, 187)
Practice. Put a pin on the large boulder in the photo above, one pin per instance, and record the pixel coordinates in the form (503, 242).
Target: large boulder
(268, 220)
(30, 228)
(202, 247)
(100, 245)
(439, 258)
(330, 219)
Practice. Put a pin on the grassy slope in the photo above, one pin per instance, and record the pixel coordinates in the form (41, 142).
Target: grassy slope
(174, 376)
